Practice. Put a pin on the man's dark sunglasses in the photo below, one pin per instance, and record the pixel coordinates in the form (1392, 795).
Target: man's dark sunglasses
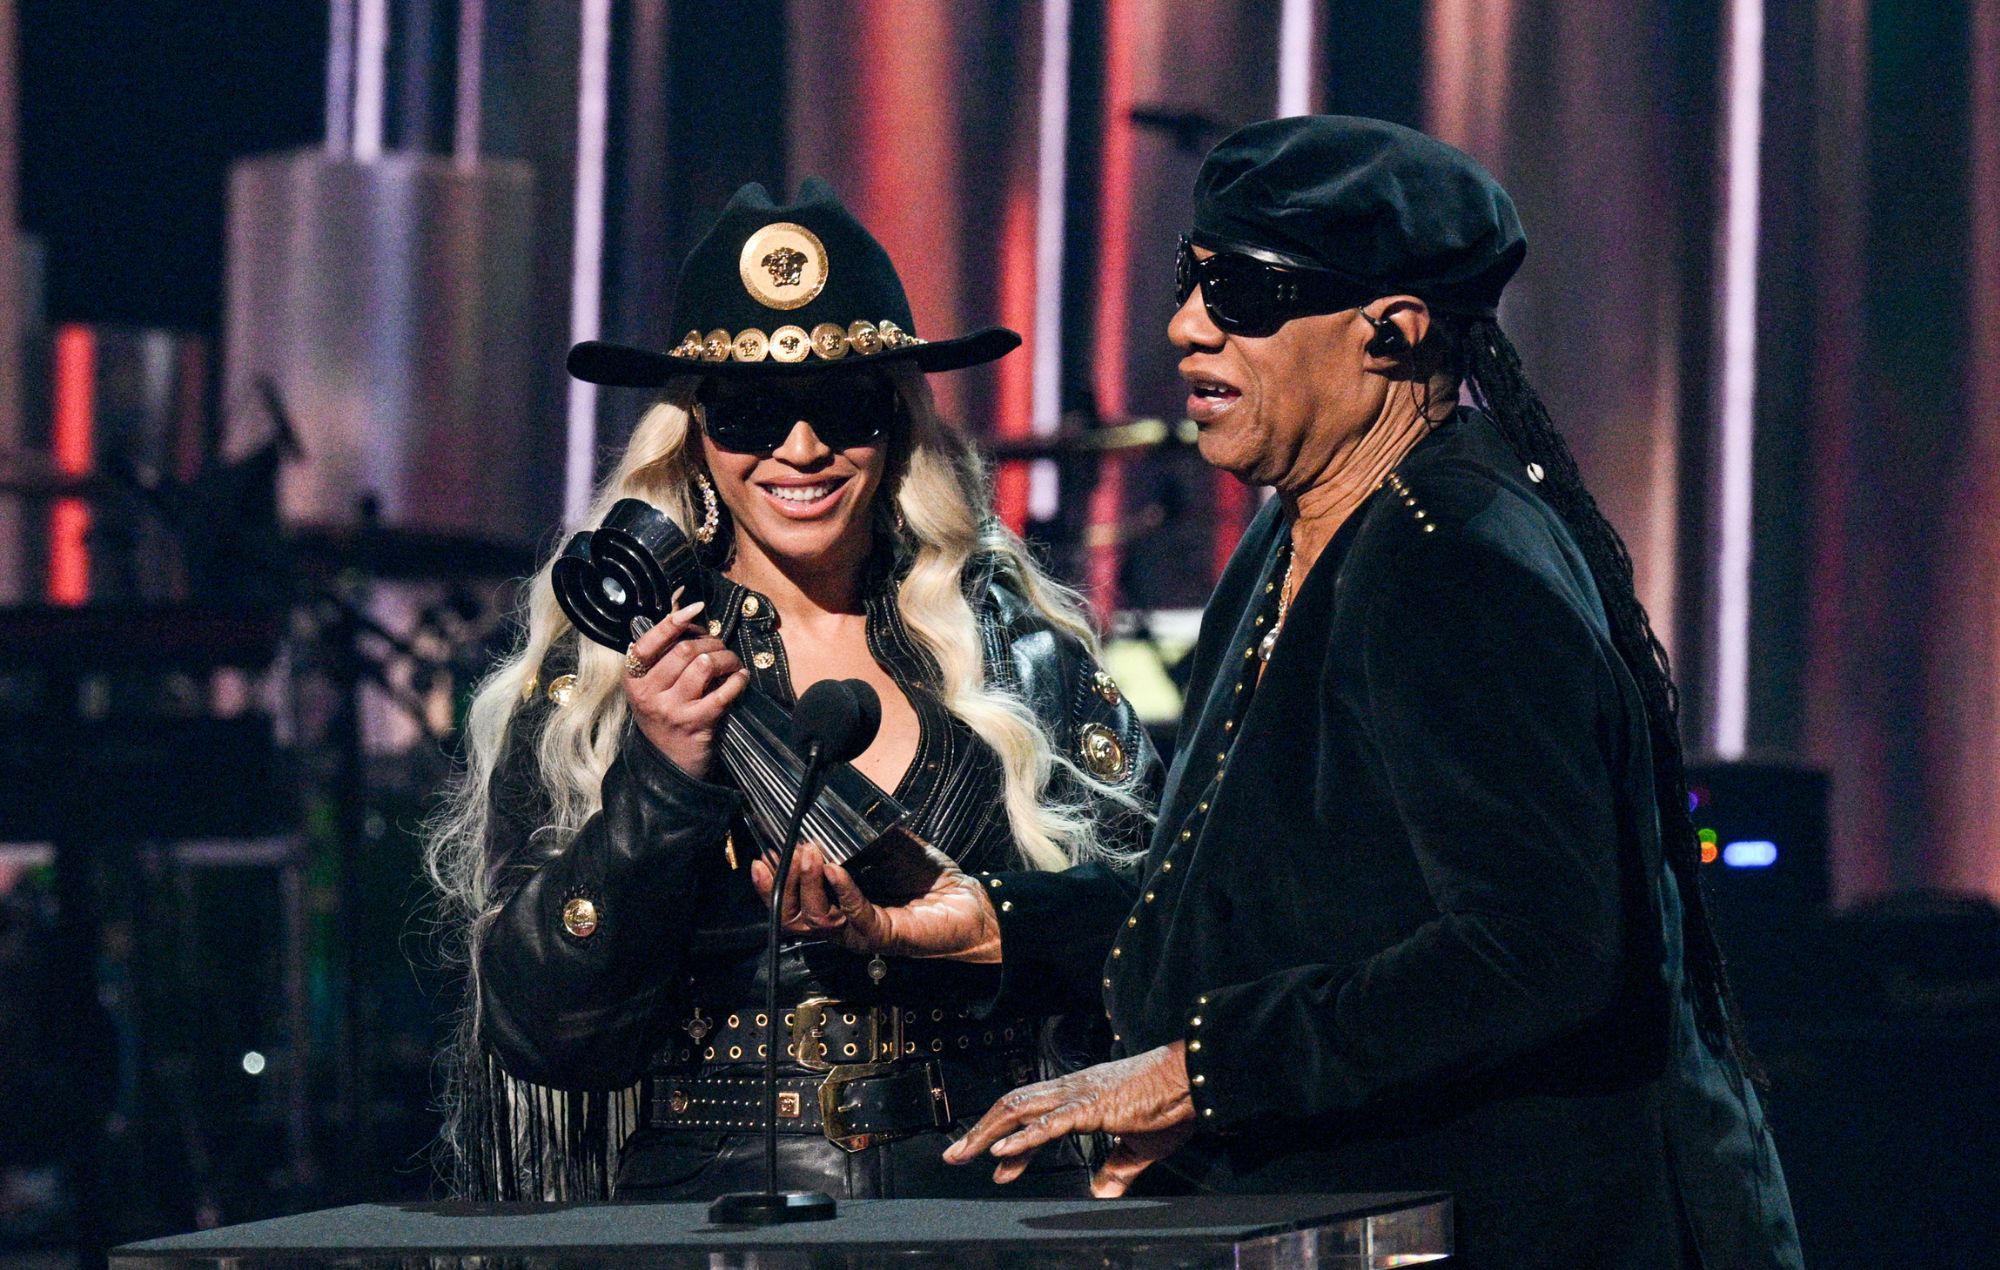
(1248, 296)
(755, 417)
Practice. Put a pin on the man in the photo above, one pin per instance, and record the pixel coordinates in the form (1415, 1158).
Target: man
(1422, 908)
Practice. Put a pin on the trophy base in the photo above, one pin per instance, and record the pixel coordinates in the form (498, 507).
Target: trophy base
(770, 1208)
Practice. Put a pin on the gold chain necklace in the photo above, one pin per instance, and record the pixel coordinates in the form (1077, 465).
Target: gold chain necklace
(1269, 643)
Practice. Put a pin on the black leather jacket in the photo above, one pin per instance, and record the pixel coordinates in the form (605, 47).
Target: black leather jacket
(680, 930)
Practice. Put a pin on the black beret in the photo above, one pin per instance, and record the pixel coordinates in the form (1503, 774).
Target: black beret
(1385, 207)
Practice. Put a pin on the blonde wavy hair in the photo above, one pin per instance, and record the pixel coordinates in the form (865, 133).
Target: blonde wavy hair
(940, 490)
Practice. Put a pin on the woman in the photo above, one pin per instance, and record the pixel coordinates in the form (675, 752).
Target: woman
(595, 849)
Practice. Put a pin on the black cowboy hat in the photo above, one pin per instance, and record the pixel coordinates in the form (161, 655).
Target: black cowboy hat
(775, 290)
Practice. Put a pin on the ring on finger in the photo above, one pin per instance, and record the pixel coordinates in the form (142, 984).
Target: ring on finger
(633, 666)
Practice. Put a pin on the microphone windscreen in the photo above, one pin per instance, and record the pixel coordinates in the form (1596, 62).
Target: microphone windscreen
(834, 715)
(868, 706)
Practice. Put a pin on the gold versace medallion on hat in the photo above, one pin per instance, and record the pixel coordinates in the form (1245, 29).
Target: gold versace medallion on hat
(783, 265)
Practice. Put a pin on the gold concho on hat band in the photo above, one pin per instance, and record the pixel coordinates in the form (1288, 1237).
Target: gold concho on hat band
(827, 341)
(783, 265)
(790, 344)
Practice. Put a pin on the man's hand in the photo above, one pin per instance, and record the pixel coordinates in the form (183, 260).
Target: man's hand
(1143, 1100)
(953, 919)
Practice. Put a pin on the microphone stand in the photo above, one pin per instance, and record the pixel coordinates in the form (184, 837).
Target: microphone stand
(771, 1207)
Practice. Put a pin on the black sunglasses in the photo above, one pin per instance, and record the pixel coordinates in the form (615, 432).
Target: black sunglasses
(1248, 296)
(755, 418)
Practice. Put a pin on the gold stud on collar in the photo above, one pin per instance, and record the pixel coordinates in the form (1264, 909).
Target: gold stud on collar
(1103, 754)
(1107, 688)
(750, 346)
(579, 917)
(715, 346)
(864, 338)
(562, 688)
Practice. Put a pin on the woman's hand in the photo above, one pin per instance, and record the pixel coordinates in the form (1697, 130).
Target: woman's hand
(953, 919)
(690, 681)
(1144, 1100)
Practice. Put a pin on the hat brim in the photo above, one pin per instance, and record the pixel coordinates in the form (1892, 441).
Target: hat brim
(623, 366)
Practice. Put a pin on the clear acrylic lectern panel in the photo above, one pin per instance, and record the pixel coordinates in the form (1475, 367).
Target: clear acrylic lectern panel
(1242, 1232)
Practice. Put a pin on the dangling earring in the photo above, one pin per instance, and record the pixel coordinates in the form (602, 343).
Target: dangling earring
(711, 511)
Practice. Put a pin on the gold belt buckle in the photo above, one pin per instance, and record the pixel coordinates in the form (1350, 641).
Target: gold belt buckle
(833, 1116)
(881, 1042)
(883, 1035)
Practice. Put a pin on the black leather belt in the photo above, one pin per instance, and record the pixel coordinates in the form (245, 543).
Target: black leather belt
(852, 1108)
(873, 1070)
(824, 1032)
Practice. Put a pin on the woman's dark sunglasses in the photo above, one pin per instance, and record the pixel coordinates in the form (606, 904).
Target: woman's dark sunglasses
(755, 418)
(1248, 296)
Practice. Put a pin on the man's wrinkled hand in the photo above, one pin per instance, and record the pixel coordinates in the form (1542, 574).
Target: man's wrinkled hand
(1144, 1101)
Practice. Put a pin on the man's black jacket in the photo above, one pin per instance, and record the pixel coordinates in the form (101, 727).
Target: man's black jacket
(1406, 902)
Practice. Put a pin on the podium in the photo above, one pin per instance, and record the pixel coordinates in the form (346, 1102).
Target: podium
(1253, 1232)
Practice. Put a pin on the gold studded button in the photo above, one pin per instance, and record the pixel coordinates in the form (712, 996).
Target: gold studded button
(562, 688)
(864, 338)
(1203, 807)
(1186, 834)
(580, 917)
(750, 345)
(1103, 754)
(715, 626)
(763, 661)
(752, 606)
(1006, 906)
(1107, 688)
(1194, 1047)
(715, 346)
(689, 347)
(1166, 866)
(829, 341)
(1132, 921)
(1229, 725)
(678, 1101)
(1198, 1078)
(790, 344)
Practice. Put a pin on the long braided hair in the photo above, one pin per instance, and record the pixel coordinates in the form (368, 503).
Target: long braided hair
(1483, 357)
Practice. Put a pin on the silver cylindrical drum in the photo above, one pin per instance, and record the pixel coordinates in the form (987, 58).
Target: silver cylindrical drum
(387, 302)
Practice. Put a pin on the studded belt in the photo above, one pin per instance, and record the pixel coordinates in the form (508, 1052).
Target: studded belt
(852, 1107)
(823, 1032)
(874, 1074)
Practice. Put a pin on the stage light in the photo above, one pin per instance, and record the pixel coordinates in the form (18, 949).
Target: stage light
(1757, 854)
(253, 1063)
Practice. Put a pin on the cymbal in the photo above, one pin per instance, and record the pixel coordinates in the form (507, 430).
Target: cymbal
(1138, 434)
